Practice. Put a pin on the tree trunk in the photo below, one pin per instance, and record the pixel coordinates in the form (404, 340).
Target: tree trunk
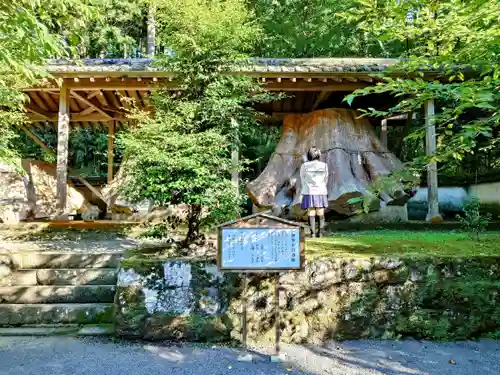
(193, 221)
(151, 31)
(350, 147)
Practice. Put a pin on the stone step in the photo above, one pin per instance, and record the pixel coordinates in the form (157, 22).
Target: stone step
(57, 294)
(39, 260)
(75, 276)
(52, 330)
(64, 313)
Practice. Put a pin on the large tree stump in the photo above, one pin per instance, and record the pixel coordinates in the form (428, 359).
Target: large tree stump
(349, 145)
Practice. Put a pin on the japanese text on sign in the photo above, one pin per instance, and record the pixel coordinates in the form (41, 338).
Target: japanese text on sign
(260, 248)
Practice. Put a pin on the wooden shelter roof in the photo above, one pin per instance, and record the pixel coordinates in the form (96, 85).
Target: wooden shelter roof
(100, 89)
(257, 65)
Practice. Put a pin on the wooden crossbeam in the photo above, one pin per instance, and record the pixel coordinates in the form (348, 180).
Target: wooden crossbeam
(93, 93)
(323, 95)
(313, 86)
(34, 97)
(111, 152)
(75, 173)
(91, 104)
(40, 112)
(87, 111)
(76, 117)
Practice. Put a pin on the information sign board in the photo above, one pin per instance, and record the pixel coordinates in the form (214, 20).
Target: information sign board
(261, 249)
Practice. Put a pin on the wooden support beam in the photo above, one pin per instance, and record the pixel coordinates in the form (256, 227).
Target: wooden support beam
(62, 150)
(40, 112)
(87, 111)
(323, 95)
(398, 148)
(314, 86)
(76, 117)
(51, 103)
(91, 104)
(93, 93)
(34, 97)
(102, 100)
(112, 96)
(118, 84)
(73, 172)
(433, 214)
(111, 149)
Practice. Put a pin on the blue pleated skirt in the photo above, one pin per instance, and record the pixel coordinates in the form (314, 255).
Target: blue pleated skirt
(314, 201)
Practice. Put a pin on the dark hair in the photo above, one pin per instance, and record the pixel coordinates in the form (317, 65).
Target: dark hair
(313, 154)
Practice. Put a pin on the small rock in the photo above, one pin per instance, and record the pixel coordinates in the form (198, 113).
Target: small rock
(415, 275)
(364, 265)
(383, 276)
(351, 272)
(389, 264)
(310, 305)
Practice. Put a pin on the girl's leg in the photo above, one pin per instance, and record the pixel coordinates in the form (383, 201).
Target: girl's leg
(312, 220)
(320, 212)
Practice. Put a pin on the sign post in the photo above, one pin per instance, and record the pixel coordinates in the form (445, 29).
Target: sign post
(277, 309)
(261, 243)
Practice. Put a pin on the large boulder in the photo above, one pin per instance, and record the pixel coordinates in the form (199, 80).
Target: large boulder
(29, 192)
(15, 205)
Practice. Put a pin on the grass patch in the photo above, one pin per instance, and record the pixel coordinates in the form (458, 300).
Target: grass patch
(402, 244)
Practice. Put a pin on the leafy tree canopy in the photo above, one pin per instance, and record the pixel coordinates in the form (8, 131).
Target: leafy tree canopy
(26, 40)
(182, 154)
(460, 40)
(313, 28)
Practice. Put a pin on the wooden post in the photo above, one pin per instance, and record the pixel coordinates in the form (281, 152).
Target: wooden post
(383, 132)
(151, 31)
(111, 149)
(430, 149)
(277, 312)
(398, 148)
(235, 159)
(62, 149)
(244, 314)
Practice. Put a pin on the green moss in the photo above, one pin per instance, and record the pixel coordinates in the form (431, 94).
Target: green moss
(194, 327)
(407, 244)
(105, 316)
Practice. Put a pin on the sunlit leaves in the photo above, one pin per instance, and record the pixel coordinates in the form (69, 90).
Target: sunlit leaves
(456, 41)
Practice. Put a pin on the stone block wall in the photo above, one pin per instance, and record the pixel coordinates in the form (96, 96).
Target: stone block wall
(436, 298)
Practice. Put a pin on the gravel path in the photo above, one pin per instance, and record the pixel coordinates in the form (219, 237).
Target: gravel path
(67, 355)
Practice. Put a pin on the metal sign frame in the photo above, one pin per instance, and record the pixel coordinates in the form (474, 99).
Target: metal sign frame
(252, 222)
(260, 269)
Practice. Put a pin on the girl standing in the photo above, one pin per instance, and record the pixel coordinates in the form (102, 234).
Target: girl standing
(314, 178)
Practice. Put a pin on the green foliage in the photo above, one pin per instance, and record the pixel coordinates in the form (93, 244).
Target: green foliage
(404, 244)
(313, 28)
(460, 40)
(182, 154)
(120, 31)
(473, 220)
(27, 39)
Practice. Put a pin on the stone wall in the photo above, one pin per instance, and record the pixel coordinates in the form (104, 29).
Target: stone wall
(436, 298)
